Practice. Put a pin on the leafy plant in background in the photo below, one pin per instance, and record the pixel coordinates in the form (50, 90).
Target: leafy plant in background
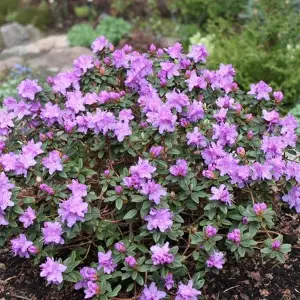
(84, 34)
(266, 47)
(135, 174)
(11, 79)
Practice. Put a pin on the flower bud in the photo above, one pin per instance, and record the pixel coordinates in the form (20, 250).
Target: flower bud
(208, 174)
(107, 173)
(276, 245)
(130, 261)
(187, 74)
(111, 48)
(184, 122)
(42, 137)
(120, 247)
(249, 118)
(210, 231)
(152, 48)
(107, 60)
(143, 124)
(102, 70)
(250, 135)
(160, 52)
(241, 151)
(155, 151)
(278, 96)
(118, 189)
(33, 250)
(245, 220)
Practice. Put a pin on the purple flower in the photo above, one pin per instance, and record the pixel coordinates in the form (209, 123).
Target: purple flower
(208, 174)
(163, 119)
(198, 53)
(73, 210)
(121, 130)
(261, 171)
(33, 149)
(250, 135)
(169, 281)
(210, 231)
(221, 115)
(235, 236)
(196, 138)
(91, 290)
(272, 117)
(293, 198)
(174, 51)
(120, 247)
(99, 44)
(75, 102)
(170, 69)
(155, 151)
(261, 90)
(159, 219)
(5, 196)
(51, 113)
(28, 88)
(225, 102)
(52, 232)
(152, 293)
(28, 217)
(225, 133)
(216, 260)
(180, 169)
(83, 63)
(213, 153)
(126, 115)
(272, 146)
(187, 292)
(160, 254)
(88, 274)
(52, 270)
(221, 194)
(195, 111)
(276, 245)
(177, 100)
(130, 261)
(78, 189)
(53, 162)
(106, 262)
(153, 190)
(47, 189)
(143, 169)
(20, 246)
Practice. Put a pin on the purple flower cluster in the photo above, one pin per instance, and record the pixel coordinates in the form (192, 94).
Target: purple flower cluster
(89, 276)
(159, 219)
(160, 254)
(22, 247)
(106, 262)
(5, 197)
(235, 236)
(53, 270)
(215, 260)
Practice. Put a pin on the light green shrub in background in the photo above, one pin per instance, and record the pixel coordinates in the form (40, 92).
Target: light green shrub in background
(113, 28)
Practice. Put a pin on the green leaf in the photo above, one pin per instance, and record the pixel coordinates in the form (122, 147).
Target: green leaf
(132, 213)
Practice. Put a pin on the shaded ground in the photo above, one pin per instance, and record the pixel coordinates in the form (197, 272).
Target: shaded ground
(251, 279)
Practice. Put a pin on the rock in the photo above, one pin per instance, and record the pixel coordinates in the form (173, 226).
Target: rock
(58, 59)
(14, 34)
(34, 33)
(10, 62)
(42, 45)
(2, 266)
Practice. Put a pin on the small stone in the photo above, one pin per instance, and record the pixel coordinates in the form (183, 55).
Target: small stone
(2, 266)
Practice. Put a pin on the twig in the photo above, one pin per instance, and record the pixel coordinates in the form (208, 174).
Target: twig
(231, 288)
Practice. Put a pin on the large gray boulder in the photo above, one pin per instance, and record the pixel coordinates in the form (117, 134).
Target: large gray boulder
(14, 34)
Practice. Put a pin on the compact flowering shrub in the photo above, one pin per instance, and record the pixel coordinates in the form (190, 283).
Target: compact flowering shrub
(135, 174)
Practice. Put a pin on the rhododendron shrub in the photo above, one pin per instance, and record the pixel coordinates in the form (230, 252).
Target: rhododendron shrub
(135, 174)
